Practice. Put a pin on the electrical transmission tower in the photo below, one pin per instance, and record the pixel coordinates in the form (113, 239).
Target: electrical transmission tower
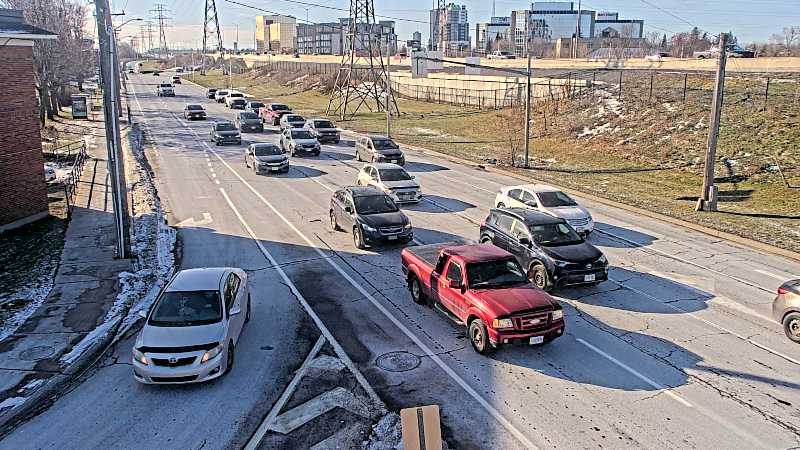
(159, 14)
(362, 78)
(211, 28)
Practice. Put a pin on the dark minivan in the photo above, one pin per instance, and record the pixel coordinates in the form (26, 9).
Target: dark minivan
(552, 252)
(371, 215)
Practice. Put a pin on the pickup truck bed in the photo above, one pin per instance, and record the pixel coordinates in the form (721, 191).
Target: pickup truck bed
(430, 253)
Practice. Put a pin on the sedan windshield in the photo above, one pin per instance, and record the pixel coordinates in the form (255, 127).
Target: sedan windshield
(225, 127)
(394, 175)
(555, 199)
(194, 108)
(375, 204)
(248, 115)
(495, 274)
(222, 92)
(187, 309)
(555, 234)
(295, 119)
(301, 134)
(279, 107)
(267, 150)
(256, 105)
(383, 144)
(324, 124)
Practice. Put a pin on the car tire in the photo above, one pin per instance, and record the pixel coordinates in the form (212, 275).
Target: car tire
(358, 156)
(479, 337)
(501, 205)
(415, 288)
(230, 357)
(791, 326)
(537, 274)
(486, 240)
(334, 224)
(249, 310)
(358, 238)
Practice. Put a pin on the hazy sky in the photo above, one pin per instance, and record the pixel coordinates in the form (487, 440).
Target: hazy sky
(750, 20)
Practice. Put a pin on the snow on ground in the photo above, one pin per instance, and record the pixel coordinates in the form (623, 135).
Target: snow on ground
(34, 296)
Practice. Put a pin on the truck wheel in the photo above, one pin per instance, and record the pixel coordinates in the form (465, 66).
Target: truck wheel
(479, 337)
(486, 240)
(358, 238)
(537, 274)
(358, 156)
(501, 206)
(791, 326)
(416, 290)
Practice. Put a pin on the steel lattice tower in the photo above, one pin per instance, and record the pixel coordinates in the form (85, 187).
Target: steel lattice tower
(362, 77)
(441, 17)
(159, 14)
(211, 27)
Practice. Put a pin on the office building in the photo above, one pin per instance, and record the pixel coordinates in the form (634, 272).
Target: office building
(555, 20)
(491, 35)
(276, 33)
(319, 39)
(609, 25)
(456, 28)
(383, 39)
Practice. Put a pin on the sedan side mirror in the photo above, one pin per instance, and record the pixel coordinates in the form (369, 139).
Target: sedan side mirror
(348, 210)
(235, 312)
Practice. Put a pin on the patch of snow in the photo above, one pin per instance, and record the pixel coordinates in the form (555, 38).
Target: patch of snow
(700, 124)
(12, 402)
(34, 295)
(88, 340)
(386, 434)
(590, 132)
(669, 107)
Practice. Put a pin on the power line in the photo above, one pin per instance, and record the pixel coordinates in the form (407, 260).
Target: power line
(317, 5)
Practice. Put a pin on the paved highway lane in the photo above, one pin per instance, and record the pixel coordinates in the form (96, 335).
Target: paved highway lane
(676, 351)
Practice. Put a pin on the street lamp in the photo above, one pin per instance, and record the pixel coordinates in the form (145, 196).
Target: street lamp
(117, 28)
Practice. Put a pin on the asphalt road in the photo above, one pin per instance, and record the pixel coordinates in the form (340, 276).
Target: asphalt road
(676, 350)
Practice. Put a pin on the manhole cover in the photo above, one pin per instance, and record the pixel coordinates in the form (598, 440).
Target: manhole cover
(398, 361)
(37, 353)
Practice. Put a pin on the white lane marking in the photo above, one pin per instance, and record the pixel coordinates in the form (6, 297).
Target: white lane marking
(256, 438)
(213, 175)
(209, 164)
(191, 222)
(424, 347)
(638, 375)
(781, 278)
(216, 181)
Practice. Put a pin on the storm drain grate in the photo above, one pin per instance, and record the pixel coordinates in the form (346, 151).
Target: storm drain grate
(398, 361)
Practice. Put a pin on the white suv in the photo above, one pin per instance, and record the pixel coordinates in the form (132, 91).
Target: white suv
(391, 179)
(192, 329)
(549, 200)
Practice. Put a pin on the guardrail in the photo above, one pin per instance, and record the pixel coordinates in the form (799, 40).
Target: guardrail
(66, 151)
(71, 182)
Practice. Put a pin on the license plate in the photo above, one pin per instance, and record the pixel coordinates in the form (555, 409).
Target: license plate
(591, 277)
(394, 161)
(276, 169)
(537, 340)
(392, 238)
(253, 127)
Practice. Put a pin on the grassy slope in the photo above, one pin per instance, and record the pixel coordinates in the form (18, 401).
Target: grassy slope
(640, 133)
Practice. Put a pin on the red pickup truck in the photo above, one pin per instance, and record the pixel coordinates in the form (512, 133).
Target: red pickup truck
(272, 112)
(483, 288)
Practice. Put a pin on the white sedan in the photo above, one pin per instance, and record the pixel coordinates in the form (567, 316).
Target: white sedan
(391, 179)
(547, 199)
(192, 329)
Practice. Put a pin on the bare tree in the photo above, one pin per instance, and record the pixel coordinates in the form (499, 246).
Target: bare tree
(791, 37)
(511, 122)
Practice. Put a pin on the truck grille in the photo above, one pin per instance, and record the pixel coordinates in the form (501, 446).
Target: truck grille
(531, 321)
(163, 362)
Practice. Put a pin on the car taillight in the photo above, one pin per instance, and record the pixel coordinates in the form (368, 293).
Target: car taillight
(782, 290)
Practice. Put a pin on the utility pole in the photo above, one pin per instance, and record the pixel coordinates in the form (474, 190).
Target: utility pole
(105, 35)
(708, 198)
(528, 109)
(388, 92)
(577, 32)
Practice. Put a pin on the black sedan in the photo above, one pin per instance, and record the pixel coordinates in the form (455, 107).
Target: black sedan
(249, 121)
(191, 112)
(371, 215)
(225, 133)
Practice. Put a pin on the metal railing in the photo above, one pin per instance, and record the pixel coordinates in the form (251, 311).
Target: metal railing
(72, 180)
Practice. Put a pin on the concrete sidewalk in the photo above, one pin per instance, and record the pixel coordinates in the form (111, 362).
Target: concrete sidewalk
(41, 357)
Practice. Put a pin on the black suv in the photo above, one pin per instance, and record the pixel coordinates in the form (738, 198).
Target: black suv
(371, 215)
(211, 92)
(225, 132)
(554, 254)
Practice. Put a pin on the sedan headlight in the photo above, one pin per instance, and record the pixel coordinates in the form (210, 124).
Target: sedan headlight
(558, 314)
(211, 354)
(408, 226)
(368, 228)
(602, 260)
(498, 324)
(139, 356)
(560, 263)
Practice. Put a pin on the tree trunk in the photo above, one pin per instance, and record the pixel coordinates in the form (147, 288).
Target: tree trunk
(41, 106)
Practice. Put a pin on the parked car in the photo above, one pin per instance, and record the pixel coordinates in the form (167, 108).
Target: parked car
(237, 103)
(249, 121)
(273, 112)
(166, 90)
(379, 149)
(549, 200)
(484, 289)
(323, 129)
(266, 158)
(786, 309)
(211, 92)
(176, 79)
(292, 121)
(553, 254)
(224, 133)
(499, 54)
(296, 140)
(372, 216)
(191, 331)
(733, 50)
(194, 112)
(253, 107)
(220, 95)
(391, 179)
(233, 95)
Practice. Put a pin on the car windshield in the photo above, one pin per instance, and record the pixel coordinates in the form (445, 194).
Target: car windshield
(225, 127)
(165, 85)
(256, 105)
(235, 94)
(238, 101)
(383, 144)
(324, 124)
(267, 150)
(222, 92)
(495, 274)
(375, 204)
(186, 309)
(295, 119)
(276, 107)
(194, 108)
(301, 134)
(394, 175)
(555, 199)
(554, 235)
(248, 115)
(212, 90)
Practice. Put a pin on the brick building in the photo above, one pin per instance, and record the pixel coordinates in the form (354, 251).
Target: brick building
(23, 191)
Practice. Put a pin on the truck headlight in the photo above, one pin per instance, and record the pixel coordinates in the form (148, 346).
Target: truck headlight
(408, 226)
(139, 356)
(498, 324)
(211, 354)
(558, 314)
